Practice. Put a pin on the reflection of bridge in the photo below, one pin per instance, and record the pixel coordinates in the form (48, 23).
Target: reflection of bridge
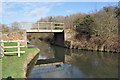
(47, 68)
(46, 61)
(49, 65)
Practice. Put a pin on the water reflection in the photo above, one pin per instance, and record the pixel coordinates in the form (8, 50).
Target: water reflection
(57, 62)
(98, 65)
(45, 49)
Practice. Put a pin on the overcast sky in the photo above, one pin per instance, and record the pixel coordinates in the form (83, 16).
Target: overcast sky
(33, 11)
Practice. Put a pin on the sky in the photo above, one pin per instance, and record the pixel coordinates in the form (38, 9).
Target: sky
(33, 11)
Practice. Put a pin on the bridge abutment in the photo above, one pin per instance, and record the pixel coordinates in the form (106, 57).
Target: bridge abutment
(59, 39)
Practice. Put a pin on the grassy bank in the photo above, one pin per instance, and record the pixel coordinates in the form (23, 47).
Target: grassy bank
(15, 66)
(0, 69)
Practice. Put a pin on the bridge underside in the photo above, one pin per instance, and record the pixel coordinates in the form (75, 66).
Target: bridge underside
(58, 35)
(44, 31)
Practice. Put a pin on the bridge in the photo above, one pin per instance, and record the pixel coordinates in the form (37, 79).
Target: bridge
(46, 27)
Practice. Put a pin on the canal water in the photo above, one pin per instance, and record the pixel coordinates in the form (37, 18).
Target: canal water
(58, 62)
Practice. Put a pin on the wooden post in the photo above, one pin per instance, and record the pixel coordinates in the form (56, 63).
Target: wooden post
(38, 26)
(62, 26)
(18, 49)
(25, 34)
(51, 26)
(2, 47)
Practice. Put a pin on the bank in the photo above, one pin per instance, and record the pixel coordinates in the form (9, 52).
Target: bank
(74, 41)
(16, 67)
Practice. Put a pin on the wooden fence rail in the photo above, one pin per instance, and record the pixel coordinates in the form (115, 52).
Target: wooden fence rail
(18, 47)
(43, 25)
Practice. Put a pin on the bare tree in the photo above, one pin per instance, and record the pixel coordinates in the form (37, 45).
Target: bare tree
(15, 26)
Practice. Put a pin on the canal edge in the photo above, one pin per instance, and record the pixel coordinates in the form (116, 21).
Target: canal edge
(28, 60)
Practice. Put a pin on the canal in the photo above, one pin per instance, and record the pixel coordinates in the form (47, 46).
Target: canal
(58, 62)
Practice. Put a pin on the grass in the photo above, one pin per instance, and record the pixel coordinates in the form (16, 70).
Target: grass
(12, 49)
(0, 69)
(12, 65)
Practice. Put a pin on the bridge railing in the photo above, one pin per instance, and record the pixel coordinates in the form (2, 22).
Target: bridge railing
(43, 25)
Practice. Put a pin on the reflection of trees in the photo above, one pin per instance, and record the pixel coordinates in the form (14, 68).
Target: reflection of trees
(45, 49)
(96, 64)
(48, 51)
(59, 52)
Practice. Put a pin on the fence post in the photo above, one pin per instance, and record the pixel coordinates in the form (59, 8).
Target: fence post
(2, 47)
(18, 49)
(51, 26)
(63, 26)
(38, 26)
(25, 34)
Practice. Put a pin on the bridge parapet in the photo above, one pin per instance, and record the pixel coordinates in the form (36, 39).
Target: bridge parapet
(43, 25)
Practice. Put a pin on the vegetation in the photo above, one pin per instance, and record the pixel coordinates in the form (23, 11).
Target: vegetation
(84, 27)
(14, 27)
(104, 23)
(97, 31)
(12, 65)
(99, 28)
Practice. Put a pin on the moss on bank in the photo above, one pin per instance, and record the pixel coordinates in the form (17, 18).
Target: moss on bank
(15, 66)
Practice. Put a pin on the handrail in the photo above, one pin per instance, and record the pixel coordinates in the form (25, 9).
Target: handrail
(39, 25)
(43, 22)
(43, 25)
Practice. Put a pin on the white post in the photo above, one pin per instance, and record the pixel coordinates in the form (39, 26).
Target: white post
(18, 49)
(2, 47)
(25, 34)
